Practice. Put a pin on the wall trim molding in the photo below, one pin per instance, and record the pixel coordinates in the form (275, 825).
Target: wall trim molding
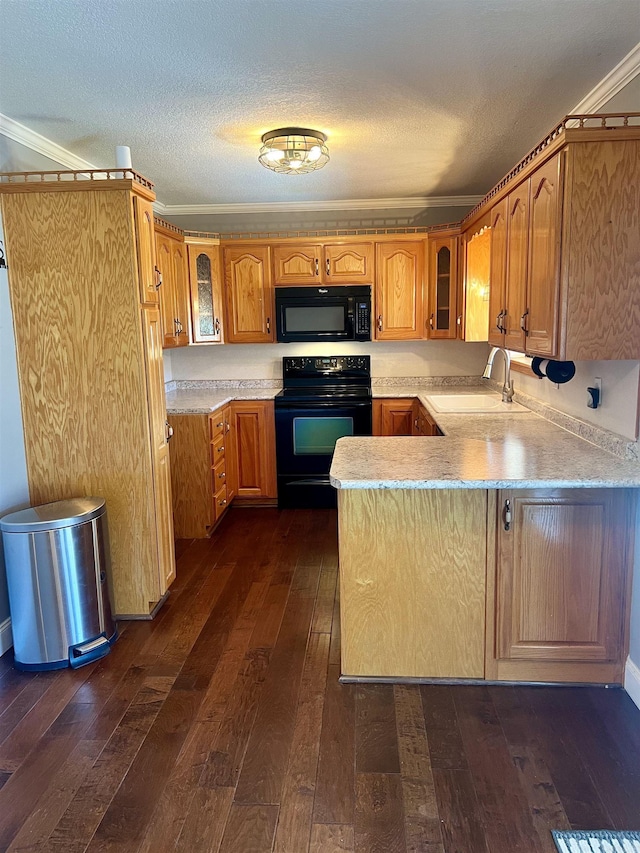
(632, 681)
(6, 637)
(339, 204)
(614, 82)
(12, 129)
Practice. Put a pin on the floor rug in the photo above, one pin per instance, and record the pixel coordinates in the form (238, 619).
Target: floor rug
(596, 841)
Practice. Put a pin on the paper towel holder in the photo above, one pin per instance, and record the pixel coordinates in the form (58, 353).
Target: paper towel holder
(558, 372)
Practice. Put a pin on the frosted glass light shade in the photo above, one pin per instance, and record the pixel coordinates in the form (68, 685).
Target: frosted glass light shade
(294, 150)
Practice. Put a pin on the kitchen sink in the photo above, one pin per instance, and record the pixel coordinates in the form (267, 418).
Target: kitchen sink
(478, 403)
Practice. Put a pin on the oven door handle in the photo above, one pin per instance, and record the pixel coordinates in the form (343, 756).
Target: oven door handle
(317, 405)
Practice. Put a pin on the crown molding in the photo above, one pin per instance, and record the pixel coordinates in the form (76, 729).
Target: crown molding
(342, 204)
(12, 129)
(614, 82)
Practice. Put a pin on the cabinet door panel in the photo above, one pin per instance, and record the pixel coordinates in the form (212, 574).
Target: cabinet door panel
(168, 311)
(562, 576)
(205, 277)
(249, 294)
(349, 263)
(544, 258)
(145, 245)
(297, 265)
(475, 319)
(399, 291)
(190, 481)
(181, 297)
(159, 448)
(517, 256)
(254, 433)
(443, 265)
(498, 273)
(394, 417)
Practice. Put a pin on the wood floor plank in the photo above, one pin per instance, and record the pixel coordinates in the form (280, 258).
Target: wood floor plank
(249, 829)
(379, 818)
(446, 749)
(461, 822)
(332, 838)
(507, 821)
(204, 828)
(323, 612)
(376, 734)
(296, 807)
(422, 820)
(267, 756)
(335, 785)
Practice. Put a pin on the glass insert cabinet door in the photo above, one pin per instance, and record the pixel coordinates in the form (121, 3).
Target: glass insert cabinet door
(206, 292)
(442, 287)
(317, 436)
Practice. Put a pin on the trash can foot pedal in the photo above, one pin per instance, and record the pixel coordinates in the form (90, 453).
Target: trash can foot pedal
(92, 650)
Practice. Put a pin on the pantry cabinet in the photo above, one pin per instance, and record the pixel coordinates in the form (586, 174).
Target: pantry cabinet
(205, 286)
(171, 260)
(249, 294)
(94, 421)
(561, 585)
(398, 291)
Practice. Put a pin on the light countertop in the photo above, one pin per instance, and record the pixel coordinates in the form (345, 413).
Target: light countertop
(192, 401)
(478, 451)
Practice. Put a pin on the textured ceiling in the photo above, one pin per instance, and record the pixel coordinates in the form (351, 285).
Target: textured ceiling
(418, 97)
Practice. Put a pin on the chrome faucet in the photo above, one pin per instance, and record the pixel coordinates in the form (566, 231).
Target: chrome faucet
(507, 388)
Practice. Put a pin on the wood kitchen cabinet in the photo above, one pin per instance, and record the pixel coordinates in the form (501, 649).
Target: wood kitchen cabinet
(94, 421)
(398, 291)
(253, 424)
(394, 416)
(205, 287)
(474, 283)
(442, 286)
(334, 263)
(564, 242)
(249, 294)
(171, 260)
(561, 595)
(423, 423)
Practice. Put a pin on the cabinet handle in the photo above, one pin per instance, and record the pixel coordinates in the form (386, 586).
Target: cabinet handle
(268, 325)
(459, 319)
(216, 326)
(431, 322)
(227, 426)
(498, 323)
(379, 322)
(158, 283)
(523, 322)
(317, 267)
(507, 515)
(328, 267)
(168, 431)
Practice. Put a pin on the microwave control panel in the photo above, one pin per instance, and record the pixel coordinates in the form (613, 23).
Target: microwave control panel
(363, 319)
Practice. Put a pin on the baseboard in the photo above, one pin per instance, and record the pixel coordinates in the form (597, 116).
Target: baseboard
(6, 637)
(632, 681)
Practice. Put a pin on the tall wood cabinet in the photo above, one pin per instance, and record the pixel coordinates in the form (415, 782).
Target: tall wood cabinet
(89, 349)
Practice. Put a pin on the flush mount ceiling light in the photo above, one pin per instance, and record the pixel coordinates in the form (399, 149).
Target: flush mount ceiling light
(294, 150)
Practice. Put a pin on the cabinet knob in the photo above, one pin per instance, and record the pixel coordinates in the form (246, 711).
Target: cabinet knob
(221, 448)
(222, 475)
(223, 502)
(221, 424)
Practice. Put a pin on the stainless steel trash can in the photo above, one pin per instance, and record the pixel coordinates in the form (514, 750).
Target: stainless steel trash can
(57, 562)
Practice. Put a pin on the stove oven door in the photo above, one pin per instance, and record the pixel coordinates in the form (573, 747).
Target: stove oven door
(306, 434)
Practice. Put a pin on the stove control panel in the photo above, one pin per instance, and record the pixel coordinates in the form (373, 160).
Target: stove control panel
(334, 365)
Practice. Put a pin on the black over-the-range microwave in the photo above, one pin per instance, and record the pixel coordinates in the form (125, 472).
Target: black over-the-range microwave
(323, 313)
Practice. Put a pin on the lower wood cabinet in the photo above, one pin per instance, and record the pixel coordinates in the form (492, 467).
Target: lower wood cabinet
(218, 457)
(254, 429)
(560, 600)
(519, 585)
(402, 416)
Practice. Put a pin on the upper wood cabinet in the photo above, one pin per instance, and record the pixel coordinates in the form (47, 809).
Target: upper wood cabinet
(335, 263)
(249, 294)
(148, 273)
(564, 244)
(398, 292)
(171, 260)
(561, 596)
(205, 286)
(442, 286)
(473, 290)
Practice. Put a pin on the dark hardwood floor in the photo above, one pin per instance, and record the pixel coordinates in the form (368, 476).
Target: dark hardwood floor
(221, 726)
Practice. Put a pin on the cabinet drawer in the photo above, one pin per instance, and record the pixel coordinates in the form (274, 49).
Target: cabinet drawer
(220, 501)
(217, 450)
(216, 424)
(219, 475)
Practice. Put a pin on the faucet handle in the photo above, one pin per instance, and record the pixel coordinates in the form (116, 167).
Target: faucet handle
(507, 392)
